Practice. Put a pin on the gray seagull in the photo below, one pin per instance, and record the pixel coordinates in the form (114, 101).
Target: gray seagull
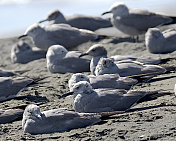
(134, 21)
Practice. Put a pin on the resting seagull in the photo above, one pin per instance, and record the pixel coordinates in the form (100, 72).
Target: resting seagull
(98, 51)
(23, 53)
(55, 120)
(62, 34)
(79, 21)
(89, 100)
(158, 42)
(59, 60)
(11, 87)
(103, 81)
(126, 68)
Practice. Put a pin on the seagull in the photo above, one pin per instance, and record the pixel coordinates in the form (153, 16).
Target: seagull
(55, 17)
(11, 87)
(134, 21)
(23, 53)
(10, 115)
(158, 42)
(7, 73)
(78, 21)
(126, 68)
(62, 34)
(103, 81)
(55, 120)
(89, 100)
(59, 60)
(98, 51)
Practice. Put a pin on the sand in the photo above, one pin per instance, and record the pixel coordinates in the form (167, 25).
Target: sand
(153, 120)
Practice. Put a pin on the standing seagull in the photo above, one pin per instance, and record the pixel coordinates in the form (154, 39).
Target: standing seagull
(133, 21)
(62, 34)
(107, 100)
(59, 60)
(78, 21)
(11, 87)
(158, 42)
(55, 120)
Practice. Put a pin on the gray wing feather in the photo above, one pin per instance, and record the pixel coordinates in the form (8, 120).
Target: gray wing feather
(88, 22)
(142, 20)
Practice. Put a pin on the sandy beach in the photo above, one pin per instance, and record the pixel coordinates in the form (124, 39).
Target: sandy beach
(152, 120)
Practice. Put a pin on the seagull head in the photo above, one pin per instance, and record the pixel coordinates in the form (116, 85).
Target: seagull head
(117, 9)
(154, 33)
(75, 78)
(96, 50)
(53, 15)
(32, 31)
(22, 46)
(56, 51)
(106, 62)
(32, 110)
(82, 87)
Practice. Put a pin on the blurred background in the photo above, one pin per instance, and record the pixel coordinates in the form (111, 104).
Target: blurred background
(17, 15)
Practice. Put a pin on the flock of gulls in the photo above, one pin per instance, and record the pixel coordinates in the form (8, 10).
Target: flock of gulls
(106, 91)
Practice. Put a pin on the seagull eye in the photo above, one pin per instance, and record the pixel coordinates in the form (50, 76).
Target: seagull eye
(93, 50)
(77, 88)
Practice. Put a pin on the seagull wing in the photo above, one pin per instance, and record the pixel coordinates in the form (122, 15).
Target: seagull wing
(142, 20)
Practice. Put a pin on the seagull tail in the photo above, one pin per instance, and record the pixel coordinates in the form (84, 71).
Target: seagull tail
(37, 81)
(101, 37)
(106, 115)
(165, 60)
(21, 71)
(170, 68)
(153, 95)
(172, 22)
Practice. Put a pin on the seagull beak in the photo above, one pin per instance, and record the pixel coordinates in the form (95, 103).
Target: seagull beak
(83, 54)
(25, 35)
(67, 94)
(43, 21)
(106, 13)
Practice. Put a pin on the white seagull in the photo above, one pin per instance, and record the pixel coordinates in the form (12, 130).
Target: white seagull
(55, 120)
(103, 81)
(158, 42)
(126, 68)
(59, 60)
